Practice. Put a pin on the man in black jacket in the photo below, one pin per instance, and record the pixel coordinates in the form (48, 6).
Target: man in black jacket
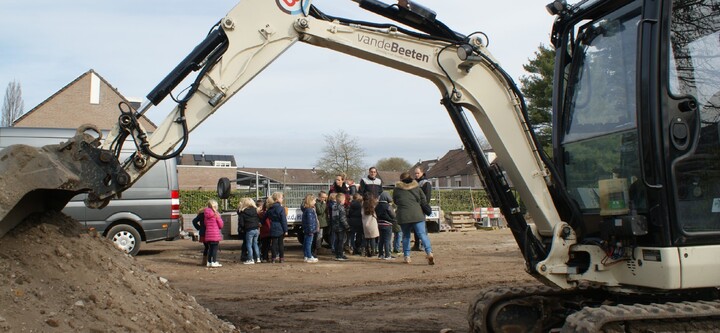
(371, 184)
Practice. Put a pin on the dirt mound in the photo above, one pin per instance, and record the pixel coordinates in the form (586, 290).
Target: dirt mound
(57, 278)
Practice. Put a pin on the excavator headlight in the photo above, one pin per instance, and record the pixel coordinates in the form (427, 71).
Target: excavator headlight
(464, 52)
(556, 7)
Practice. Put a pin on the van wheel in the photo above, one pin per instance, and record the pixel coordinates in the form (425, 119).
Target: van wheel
(223, 188)
(125, 238)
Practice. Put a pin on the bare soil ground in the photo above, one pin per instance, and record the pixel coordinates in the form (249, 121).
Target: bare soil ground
(56, 278)
(360, 295)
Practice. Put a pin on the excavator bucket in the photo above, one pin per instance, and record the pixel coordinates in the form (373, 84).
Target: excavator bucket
(41, 179)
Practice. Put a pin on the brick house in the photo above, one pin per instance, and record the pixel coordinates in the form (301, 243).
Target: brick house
(201, 171)
(87, 99)
(454, 169)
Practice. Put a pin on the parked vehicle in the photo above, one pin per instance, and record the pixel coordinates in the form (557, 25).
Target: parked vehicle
(148, 211)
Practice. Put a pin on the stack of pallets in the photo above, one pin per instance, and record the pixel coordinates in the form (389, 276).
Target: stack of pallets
(461, 221)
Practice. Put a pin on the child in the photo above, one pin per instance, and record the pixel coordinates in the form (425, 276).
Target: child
(213, 234)
(199, 224)
(264, 230)
(370, 224)
(278, 227)
(249, 221)
(340, 227)
(386, 220)
(309, 227)
(321, 212)
(355, 241)
(330, 207)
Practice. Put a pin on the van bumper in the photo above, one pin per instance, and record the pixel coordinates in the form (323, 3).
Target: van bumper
(155, 232)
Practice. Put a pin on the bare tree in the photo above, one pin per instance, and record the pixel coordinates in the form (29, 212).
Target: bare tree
(13, 105)
(341, 154)
(398, 164)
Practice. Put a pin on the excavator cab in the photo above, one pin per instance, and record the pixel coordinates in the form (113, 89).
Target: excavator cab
(636, 148)
(636, 118)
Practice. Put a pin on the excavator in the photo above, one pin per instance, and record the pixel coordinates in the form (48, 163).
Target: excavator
(619, 220)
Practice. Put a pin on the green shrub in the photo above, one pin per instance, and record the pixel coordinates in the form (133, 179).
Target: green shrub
(193, 200)
(462, 200)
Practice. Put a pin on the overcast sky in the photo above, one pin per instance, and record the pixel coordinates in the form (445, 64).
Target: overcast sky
(133, 44)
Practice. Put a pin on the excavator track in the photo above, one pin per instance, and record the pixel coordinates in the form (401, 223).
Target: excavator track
(483, 310)
(700, 316)
(538, 308)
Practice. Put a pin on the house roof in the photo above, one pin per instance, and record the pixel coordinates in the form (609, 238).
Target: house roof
(389, 177)
(146, 121)
(287, 175)
(204, 159)
(455, 162)
(426, 165)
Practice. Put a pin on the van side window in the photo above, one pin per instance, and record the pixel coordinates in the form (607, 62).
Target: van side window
(156, 177)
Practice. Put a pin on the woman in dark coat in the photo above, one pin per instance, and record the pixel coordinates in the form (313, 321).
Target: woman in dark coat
(407, 197)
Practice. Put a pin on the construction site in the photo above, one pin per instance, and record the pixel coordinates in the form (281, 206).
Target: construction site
(59, 278)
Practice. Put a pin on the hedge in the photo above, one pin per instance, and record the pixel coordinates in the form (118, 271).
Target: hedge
(191, 201)
(448, 200)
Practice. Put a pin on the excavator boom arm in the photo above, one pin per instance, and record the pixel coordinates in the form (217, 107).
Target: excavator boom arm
(257, 32)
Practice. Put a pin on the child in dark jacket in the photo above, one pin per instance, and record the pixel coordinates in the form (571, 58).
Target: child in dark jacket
(386, 220)
(355, 236)
(199, 224)
(278, 227)
(330, 207)
(309, 227)
(340, 227)
(249, 221)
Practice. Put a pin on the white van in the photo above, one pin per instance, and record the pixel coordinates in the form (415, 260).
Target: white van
(148, 211)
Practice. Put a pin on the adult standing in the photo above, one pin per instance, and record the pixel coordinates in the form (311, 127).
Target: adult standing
(407, 197)
(426, 187)
(341, 188)
(371, 185)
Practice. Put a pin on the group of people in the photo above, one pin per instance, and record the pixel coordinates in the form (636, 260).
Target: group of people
(264, 225)
(360, 220)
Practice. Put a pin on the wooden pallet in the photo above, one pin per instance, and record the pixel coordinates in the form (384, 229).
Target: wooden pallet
(461, 221)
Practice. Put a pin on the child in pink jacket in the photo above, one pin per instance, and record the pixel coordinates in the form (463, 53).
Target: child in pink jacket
(213, 234)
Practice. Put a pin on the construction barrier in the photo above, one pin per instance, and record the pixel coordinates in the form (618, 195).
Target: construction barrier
(489, 217)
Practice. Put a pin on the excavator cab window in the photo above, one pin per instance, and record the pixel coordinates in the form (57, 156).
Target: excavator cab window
(600, 140)
(694, 114)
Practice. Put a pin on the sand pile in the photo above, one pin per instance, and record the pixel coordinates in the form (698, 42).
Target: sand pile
(55, 277)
